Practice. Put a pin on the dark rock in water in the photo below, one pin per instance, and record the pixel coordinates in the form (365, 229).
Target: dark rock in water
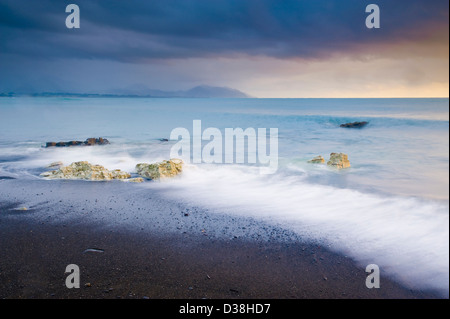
(354, 124)
(96, 141)
(74, 143)
(89, 141)
(64, 144)
(6, 177)
(102, 141)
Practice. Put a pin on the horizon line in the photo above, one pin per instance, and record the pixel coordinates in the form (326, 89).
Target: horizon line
(100, 95)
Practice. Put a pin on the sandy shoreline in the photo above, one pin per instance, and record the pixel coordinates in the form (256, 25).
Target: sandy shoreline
(154, 248)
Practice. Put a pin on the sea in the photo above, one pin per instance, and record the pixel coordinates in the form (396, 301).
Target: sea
(391, 207)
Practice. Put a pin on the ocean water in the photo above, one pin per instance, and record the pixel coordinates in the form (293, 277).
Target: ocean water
(390, 208)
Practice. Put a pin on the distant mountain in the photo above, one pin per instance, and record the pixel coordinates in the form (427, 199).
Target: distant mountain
(204, 91)
(201, 91)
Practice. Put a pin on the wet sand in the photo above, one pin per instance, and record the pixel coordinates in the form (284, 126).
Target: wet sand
(176, 253)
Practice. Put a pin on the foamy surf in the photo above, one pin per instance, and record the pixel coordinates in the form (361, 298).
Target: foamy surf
(407, 237)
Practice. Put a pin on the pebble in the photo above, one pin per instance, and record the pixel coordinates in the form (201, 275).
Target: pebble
(93, 250)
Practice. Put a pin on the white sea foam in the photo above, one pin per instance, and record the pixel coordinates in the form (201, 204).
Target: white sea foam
(406, 237)
(119, 156)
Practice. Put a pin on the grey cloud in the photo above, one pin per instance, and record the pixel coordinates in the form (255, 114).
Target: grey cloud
(133, 31)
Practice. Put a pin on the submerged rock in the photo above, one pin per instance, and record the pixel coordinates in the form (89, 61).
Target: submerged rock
(89, 141)
(317, 160)
(84, 170)
(55, 164)
(338, 160)
(354, 124)
(6, 177)
(47, 174)
(159, 170)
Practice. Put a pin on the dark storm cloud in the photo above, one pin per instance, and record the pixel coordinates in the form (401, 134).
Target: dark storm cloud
(134, 31)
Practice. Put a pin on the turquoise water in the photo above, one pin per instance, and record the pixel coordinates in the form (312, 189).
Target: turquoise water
(389, 208)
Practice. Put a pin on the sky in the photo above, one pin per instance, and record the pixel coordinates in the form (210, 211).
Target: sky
(265, 48)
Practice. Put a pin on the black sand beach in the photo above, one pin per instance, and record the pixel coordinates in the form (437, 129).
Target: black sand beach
(153, 248)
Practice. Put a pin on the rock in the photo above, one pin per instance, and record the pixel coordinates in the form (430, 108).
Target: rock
(84, 170)
(317, 160)
(74, 143)
(64, 144)
(338, 160)
(96, 141)
(61, 144)
(47, 174)
(56, 164)
(160, 170)
(354, 124)
(89, 141)
(93, 250)
(118, 174)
